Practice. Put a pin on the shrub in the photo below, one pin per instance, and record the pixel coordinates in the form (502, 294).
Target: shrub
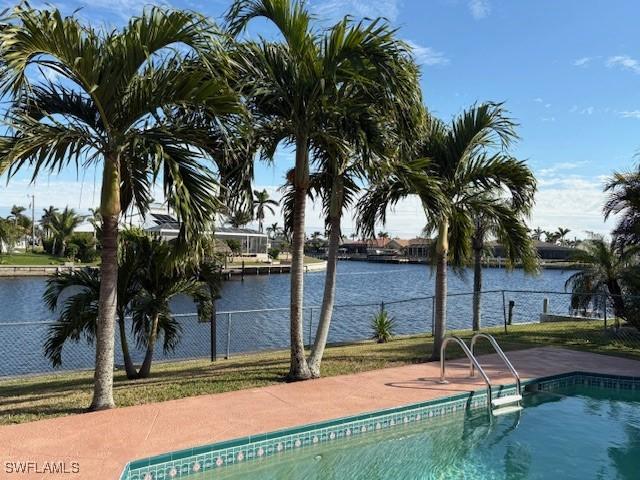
(235, 246)
(47, 245)
(274, 253)
(72, 250)
(86, 244)
(382, 325)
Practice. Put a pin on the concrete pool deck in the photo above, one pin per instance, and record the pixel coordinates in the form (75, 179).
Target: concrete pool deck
(99, 444)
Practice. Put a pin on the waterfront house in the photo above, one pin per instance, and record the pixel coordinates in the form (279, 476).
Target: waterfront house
(418, 248)
(546, 251)
(252, 243)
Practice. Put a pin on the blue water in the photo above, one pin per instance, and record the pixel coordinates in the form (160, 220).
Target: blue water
(358, 282)
(578, 434)
(406, 291)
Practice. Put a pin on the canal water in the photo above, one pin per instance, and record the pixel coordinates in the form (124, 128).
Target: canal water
(405, 290)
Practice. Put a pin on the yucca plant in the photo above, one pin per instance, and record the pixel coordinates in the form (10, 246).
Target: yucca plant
(382, 325)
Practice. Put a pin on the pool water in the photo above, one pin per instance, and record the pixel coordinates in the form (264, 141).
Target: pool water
(572, 433)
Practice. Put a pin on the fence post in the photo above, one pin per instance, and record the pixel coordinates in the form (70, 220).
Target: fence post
(214, 337)
(310, 324)
(511, 305)
(228, 334)
(504, 312)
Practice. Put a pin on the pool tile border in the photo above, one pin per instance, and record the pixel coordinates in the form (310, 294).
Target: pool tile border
(182, 463)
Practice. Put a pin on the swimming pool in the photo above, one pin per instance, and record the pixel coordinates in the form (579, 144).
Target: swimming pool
(578, 425)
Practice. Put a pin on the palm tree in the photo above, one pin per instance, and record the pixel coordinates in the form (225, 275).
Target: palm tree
(238, 218)
(383, 235)
(95, 219)
(62, 225)
(165, 277)
(603, 269)
(281, 81)
(497, 217)
(561, 235)
(17, 213)
(147, 278)
(459, 162)
(45, 220)
(128, 99)
(274, 230)
(537, 233)
(624, 202)
(262, 202)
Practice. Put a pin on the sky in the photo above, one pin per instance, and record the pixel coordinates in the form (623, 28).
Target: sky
(567, 71)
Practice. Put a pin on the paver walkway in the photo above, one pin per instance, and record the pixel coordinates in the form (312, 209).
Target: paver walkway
(102, 442)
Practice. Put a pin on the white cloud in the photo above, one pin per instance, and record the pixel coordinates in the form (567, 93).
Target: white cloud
(625, 62)
(630, 114)
(559, 167)
(547, 105)
(574, 202)
(587, 111)
(427, 55)
(582, 62)
(538, 100)
(548, 119)
(336, 9)
(479, 9)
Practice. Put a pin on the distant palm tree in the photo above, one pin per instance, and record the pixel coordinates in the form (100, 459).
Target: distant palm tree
(274, 230)
(383, 235)
(95, 219)
(47, 217)
(17, 213)
(603, 268)
(536, 234)
(238, 218)
(139, 100)
(62, 225)
(561, 234)
(262, 203)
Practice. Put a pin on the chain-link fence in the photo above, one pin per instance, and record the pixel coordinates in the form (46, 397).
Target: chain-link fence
(529, 318)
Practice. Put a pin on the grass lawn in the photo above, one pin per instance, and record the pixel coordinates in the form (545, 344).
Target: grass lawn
(31, 259)
(48, 396)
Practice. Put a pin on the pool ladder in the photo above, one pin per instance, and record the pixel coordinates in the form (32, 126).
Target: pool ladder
(498, 405)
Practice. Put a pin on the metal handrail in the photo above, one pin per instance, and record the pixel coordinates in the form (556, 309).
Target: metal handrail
(500, 353)
(469, 355)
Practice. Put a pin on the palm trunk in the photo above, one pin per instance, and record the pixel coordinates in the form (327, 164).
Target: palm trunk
(329, 296)
(129, 368)
(298, 370)
(477, 286)
(616, 299)
(145, 368)
(440, 327)
(105, 329)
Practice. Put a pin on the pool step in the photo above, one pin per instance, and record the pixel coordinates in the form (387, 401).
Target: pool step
(506, 400)
(506, 410)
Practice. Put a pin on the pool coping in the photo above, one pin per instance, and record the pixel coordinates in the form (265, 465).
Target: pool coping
(185, 462)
